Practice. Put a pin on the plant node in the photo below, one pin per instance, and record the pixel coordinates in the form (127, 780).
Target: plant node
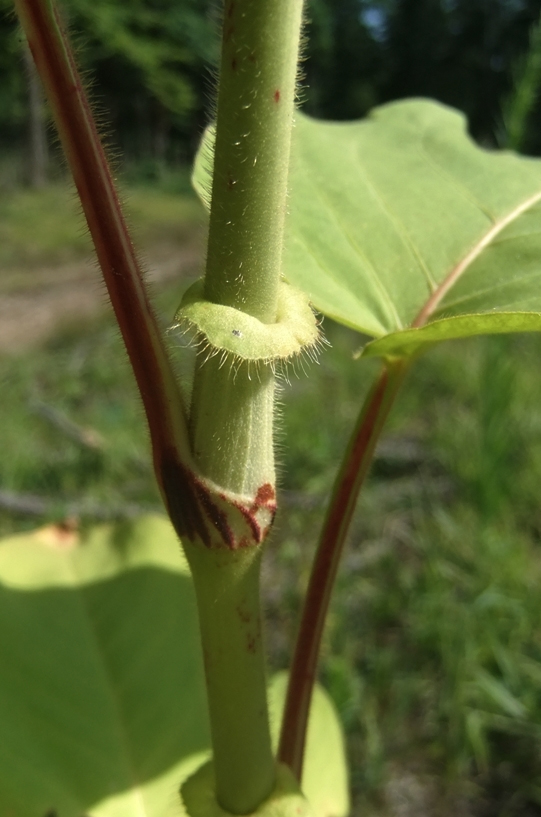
(286, 800)
(236, 336)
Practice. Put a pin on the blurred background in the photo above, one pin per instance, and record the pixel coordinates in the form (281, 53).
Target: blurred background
(433, 650)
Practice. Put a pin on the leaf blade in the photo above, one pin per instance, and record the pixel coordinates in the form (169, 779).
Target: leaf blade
(325, 774)
(400, 220)
(102, 691)
(449, 229)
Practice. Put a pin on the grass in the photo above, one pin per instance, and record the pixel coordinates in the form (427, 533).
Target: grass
(433, 649)
(45, 227)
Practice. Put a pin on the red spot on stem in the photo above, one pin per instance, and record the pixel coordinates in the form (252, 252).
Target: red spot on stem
(277, 95)
(234, 63)
(265, 494)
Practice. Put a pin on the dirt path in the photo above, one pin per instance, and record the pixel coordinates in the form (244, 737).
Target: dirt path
(41, 302)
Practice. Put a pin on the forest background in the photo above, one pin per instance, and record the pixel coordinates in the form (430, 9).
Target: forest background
(151, 67)
(433, 650)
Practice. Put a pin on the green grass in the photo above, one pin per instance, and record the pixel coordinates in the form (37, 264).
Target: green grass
(45, 227)
(433, 649)
(81, 377)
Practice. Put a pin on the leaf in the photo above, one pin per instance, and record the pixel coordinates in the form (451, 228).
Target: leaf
(402, 228)
(495, 692)
(102, 700)
(102, 695)
(325, 775)
(415, 222)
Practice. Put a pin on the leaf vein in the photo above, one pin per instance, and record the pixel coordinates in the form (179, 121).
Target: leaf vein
(398, 226)
(374, 277)
(459, 269)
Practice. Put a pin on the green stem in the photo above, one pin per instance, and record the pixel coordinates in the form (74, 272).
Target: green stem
(239, 423)
(353, 470)
(231, 420)
(249, 191)
(253, 136)
(227, 588)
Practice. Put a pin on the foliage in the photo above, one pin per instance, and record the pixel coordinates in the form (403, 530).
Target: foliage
(45, 227)
(409, 232)
(419, 553)
(442, 570)
(518, 107)
(167, 44)
(149, 64)
(216, 470)
(119, 732)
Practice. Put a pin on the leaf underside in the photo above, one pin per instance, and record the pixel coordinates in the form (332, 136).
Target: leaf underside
(102, 694)
(325, 773)
(401, 219)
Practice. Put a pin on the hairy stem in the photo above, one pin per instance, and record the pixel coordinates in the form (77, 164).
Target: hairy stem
(253, 136)
(231, 419)
(240, 423)
(355, 464)
(153, 371)
(227, 589)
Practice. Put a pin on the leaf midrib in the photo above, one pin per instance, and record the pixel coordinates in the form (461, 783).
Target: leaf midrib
(500, 288)
(463, 265)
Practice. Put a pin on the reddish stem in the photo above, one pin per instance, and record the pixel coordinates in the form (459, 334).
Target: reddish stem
(117, 257)
(349, 480)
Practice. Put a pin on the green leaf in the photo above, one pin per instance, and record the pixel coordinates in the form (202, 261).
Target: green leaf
(406, 218)
(412, 341)
(325, 775)
(401, 221)
(102, 699)
(102, 694)
(496, 693)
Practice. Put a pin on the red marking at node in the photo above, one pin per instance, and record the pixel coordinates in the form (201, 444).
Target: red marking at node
(212, 513)
(265, 494)
(230, 9)
(263, 500)
(252, 523)
(277, 95)
(181, 493)
(251, 643)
